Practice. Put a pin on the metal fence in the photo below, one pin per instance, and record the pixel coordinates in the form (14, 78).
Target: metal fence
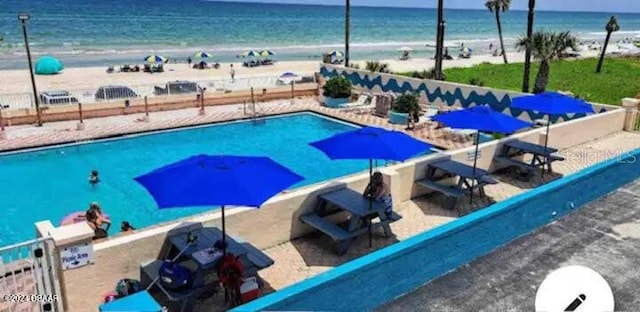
(121, 93)
(28, 277)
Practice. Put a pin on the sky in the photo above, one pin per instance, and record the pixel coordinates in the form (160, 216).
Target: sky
(609, 6)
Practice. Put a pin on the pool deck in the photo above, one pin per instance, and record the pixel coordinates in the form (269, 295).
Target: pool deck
(26, 136)
(603, 236)
(305, 257)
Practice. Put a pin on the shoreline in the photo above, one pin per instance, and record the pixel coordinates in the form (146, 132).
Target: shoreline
(91, 78)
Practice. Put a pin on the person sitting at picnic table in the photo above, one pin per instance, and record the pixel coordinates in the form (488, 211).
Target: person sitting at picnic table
(231, 274)
(379, 191)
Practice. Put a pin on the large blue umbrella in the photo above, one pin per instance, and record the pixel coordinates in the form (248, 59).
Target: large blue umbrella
(206, 180)
(371, 143)
(48, 65)
(480, 118)
(551, 103)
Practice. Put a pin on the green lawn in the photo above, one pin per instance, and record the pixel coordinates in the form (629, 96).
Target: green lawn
(620, 78)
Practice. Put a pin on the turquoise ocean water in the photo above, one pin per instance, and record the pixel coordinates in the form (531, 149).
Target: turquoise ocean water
(96, 33)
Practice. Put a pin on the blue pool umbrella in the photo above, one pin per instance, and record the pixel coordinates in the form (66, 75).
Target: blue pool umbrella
(138, 302)
(551, 103)
(48, 65)
(371, 143)
(480, 118)
(206, 180)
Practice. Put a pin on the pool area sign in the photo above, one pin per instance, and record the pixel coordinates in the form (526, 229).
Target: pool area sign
(472, 155)
(76, 256)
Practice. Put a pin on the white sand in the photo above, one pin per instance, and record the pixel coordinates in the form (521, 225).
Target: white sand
(18, 81)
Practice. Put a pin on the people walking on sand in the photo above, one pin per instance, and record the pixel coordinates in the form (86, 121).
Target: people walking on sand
(491, 47)
(232, 72)
(189, 61)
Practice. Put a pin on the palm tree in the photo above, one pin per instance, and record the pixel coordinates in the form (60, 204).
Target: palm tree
(497, 6)
(527, 54)
(612, 26)
(546, 46)
(347, 17)
(439, 41)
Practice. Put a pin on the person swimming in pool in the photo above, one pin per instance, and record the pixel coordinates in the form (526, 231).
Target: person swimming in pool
(93, 177)
(94, 215)
(126, 227)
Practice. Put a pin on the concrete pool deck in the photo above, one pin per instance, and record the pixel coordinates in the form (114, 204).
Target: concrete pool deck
(604, 236)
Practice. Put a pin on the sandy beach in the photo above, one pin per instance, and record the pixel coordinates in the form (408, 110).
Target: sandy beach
(18, 81)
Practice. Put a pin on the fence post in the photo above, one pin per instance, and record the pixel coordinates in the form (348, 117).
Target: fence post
(146, 110)
(3, 133)
(293, 89)
(201, 111)
(631, 122)
(80, 125)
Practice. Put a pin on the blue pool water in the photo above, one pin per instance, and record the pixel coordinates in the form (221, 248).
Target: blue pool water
(50, 183)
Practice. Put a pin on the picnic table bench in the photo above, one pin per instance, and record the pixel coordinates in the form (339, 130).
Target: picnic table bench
(466, 176)
(186, 253)
(541, 157)
(361, 211)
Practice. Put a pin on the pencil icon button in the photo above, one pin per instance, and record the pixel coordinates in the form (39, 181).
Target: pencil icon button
(574, 289)
(575, 303)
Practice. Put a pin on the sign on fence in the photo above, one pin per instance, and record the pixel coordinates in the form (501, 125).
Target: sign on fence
(76, 256)
(472, 155)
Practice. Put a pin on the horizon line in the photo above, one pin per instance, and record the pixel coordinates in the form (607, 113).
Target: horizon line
(406, 7)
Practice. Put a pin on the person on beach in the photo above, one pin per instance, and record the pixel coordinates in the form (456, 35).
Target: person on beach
(189, 61)
(232, 72)
(93, 177)
(491, 47)
(379, 191)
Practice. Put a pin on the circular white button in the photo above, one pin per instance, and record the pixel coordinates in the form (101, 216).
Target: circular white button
(574, 288)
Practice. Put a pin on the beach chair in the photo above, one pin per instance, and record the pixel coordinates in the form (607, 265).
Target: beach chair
(383, 105)
(363, 100)
(110, 70)
(159, 68)
(147, 68)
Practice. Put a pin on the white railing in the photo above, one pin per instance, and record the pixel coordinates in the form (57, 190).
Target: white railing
(95, 95)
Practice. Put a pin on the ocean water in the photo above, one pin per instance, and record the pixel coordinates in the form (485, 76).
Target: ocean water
(51, 183)
(93, 32)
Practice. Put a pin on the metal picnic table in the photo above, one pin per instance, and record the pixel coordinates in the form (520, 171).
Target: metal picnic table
(360, 215)
(540, 156)
(465, 174)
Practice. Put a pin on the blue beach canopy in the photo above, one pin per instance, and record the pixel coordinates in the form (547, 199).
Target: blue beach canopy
(551, 103)
(288, 75)
(138, 302)
(480, 118)
(371, 143)
(206, 180)
(48, 65)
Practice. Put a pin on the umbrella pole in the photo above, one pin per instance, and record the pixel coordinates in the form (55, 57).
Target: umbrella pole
(475, 163)
(546, 141)
(370, 200)
(224, 234)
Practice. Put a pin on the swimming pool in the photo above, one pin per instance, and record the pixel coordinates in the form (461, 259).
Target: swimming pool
(48, 184)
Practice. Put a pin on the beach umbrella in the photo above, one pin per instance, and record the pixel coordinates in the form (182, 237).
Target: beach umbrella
(206, 180)
(202, 54)
(155, 59)
(250, 53)
(48, 65)
(407, 49)
(288, 75)
(551, 103)
(480, 118)
(139, 302)
(266, 53)
(336, 54)
(371, 143)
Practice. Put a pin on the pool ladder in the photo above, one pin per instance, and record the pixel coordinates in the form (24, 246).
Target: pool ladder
(252, 111)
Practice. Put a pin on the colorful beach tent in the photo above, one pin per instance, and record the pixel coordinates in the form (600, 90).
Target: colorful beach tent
(48, 65)
(371, 143)
(206, 180)
(155, 59)
(266, 53)
(250, 53)
(202, 54)
(480, 118)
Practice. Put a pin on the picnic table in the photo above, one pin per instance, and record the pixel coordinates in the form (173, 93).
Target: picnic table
(361, 214)
(465, 174)
(200, 256)
(541, 157)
